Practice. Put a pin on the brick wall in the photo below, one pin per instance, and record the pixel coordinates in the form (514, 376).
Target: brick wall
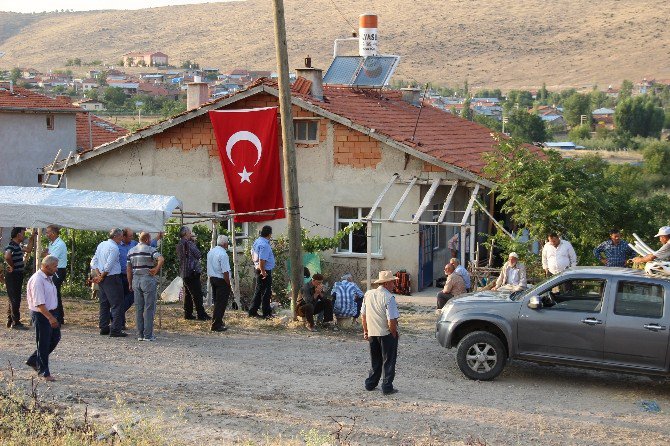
(355, 149)
(198, 132)
(427, 167)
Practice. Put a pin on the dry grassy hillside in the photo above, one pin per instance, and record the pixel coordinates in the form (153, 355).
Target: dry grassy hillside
(488, 42)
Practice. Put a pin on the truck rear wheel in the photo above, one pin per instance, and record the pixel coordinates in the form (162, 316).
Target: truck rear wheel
(481, 355)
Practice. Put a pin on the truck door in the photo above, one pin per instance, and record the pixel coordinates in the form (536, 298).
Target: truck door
(570, 324)
(637, 325)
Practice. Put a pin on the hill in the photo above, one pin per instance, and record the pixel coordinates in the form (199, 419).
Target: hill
(488, 42)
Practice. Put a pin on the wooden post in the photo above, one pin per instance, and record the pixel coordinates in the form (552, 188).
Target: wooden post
(236, 276)
(290, 168)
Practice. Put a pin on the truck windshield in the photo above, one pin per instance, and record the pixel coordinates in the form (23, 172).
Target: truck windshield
(518, 295)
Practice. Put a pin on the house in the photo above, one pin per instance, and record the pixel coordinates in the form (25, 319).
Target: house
(89, 104)
(349, 144)
(93, 131)
(33, 127)
(129, 88)
(89, 84)
(146, 59)
(156, 90)
(603, 118)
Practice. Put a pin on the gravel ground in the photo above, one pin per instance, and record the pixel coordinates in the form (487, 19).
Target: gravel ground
(265, 383)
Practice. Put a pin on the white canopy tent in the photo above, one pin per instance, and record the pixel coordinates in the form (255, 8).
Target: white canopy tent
(36, 207)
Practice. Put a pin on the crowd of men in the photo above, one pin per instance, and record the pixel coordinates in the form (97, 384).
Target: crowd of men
(557, 256)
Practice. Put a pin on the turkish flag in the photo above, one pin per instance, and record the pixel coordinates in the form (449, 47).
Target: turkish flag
(249, 153)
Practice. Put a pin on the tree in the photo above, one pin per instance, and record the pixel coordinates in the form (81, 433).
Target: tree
(489, 122)
(574, 107)
(598, 98)
(77, 61)
(639, 117)
(15, 74)
(527, 127)
(580, 132)
(626, 90)
(114, 97)
(523, 98)
(657, 158)
(467, 113)
(543, 94)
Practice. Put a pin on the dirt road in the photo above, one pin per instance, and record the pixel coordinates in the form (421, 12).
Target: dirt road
(262, 383)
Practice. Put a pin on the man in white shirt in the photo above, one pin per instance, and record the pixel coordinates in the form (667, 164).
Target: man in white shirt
(106, 265)
(380, 328)
(43, 303)
(557, 255)
(512, 275)
(218, 271)
(58, 249)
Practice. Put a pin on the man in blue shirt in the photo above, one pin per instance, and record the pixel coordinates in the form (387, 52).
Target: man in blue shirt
(128, 242)
(105, 264)
(614, 252)
(348, 297)
(264, 263)
(58, 249)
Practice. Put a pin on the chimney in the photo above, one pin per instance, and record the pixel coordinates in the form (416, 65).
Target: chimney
(197, 93)
(412, 95)
(314, 75)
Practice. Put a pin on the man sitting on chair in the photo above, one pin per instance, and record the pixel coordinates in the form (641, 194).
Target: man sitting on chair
(312, 300)
(348, 297)
(512, 275)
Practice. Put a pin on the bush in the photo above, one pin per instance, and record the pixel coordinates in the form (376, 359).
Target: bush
(580, 132)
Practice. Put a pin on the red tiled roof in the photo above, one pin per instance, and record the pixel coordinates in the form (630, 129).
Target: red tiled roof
(439, 134)
(24, 99)
(155, 90)
(101, 132)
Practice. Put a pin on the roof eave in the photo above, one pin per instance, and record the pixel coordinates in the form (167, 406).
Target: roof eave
(39, 110)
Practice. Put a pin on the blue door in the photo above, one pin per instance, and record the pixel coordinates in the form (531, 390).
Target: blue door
(425, 257)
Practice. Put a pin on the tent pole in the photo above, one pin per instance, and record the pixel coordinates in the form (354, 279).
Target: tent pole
(368, 256)
(215, 234)
(236, 277)
(38, 249)
(160, 301)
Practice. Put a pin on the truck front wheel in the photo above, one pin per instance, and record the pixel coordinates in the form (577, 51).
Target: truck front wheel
(481, 355)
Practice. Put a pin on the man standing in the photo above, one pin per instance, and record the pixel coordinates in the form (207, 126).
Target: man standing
(58, 249)
(14, 253)
(128, 242)
(106, 265)
(557, 255)
(614, 252)
(453, 287)
(143, 263)
(461, 271)
(312, 300)
(380, 328)
(43, 304)
(512, 275)
(189, 270)
(663, 253)
(264, 262)
(218, 271)
(348, 297)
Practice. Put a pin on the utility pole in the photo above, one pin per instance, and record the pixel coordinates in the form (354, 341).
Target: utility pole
(290, 169)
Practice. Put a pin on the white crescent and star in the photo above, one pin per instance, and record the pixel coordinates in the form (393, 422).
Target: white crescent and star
(244, 135)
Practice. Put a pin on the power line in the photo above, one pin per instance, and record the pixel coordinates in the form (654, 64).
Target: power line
(343, 16)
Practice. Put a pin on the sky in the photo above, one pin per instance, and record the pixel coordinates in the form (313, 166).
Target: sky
(87, 5)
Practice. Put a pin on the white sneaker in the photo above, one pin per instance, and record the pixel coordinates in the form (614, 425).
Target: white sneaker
(151, 339)
(140, 339)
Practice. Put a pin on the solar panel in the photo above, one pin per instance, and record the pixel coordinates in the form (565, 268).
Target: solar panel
(371, 71)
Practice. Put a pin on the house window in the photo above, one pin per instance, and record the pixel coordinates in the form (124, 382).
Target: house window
(356, 241)
(50, 122)
(306, 131)
(241, 229)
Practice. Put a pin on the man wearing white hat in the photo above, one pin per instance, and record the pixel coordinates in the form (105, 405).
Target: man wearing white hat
(512, 275)
(380, 328)
(663, 253)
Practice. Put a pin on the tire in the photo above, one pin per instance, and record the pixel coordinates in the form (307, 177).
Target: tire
(481, 355)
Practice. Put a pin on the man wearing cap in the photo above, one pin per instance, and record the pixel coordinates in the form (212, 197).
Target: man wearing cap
(218, 271)
(264, 263)
(312, 300)
(614, 252)
(143, 263)
(663, 253)
(380, 328)
(512, 275)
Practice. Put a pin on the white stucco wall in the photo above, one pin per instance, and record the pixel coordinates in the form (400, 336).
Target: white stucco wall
(26, 145)
(196, 178)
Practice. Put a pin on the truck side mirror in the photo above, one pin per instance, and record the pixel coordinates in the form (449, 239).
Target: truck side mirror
(535, 303)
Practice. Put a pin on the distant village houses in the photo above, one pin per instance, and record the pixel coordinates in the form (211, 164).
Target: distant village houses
(148, 59)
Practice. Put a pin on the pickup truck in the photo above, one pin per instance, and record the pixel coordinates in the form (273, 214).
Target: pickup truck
(598, 317)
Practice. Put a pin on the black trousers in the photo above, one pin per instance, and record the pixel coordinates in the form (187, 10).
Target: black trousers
(111, 303)
(442, 299)
(58, 280)
(383, 353)
(262, 294)
(47, 339)
(308, 311)
(128, 297)
(193, 296)
(14, 283)
(221, 293)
